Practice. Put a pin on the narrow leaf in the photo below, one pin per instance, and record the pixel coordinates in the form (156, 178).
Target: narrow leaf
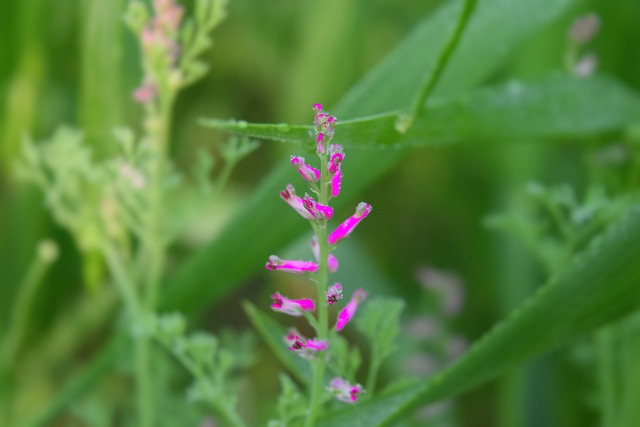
(272, 334)
(559, 106)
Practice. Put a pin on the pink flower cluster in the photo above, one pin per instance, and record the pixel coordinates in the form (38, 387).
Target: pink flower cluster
(331, 158)
(160, 37)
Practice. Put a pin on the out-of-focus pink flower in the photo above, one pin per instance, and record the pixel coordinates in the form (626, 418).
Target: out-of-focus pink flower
(584, 28)
(347, 227)
(307, 172)
(289, 196)
(293, 307)
(291, 266)
(306, 348)
(347, 313)
(586, 66)
(145, 93)
(332, 261)
(334, 294)
(344, 391)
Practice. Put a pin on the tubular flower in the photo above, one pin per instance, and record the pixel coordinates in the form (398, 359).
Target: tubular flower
(336, 182)
(345, 229)
(306, 348)
(317, 210)
(347, 313)
(289, 196)
(308, 173)
(343, 391)
(336, 156)
(334, 294)
(332, 261)
(293, 307)
(290, 266)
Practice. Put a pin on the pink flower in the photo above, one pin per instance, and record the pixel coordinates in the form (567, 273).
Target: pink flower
(332, 261)
(334, 294)
(317, 210)
(336, 156)
(344, 391)
(306, 348)
(347, 313)
(336, 182)
(145, 93)
(320, 143)
(293, 307)
(308, 173)
(345, 229)
(289, 196)
(290, 266)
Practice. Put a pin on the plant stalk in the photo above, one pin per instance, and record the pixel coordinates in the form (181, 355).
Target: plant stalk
(322, 330)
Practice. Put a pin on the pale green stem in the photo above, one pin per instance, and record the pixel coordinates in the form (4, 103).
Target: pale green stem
(434, 75)
(606, 366)
(374, 368)
(136, 311)
(18, 327)
(322, 330)
(19, 322)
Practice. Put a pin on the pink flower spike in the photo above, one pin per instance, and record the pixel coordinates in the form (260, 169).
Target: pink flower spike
(317, 107)
(308, 173)
(293, 307)
(347, 313)
(334, 294)
(336, 156)
(317, 210)
(289, 196)
(290, 266)
(336, 183)
(347, 227)
(332, 261)
(344, 391)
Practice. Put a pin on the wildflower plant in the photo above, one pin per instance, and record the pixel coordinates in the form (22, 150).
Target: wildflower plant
(116, 208)
(324, 183)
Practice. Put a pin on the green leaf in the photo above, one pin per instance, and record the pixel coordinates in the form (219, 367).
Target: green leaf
(599, 286)
(272, 334)
(497, 28)
(558, 106)
(379, 321)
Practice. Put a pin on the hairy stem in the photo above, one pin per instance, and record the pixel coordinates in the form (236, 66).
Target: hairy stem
(322, 330)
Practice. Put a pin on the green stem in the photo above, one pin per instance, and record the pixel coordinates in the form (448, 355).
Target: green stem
(142, 345)
(434, 75)
(606, 365)
(322, 330)
(372, 373)
(19, 325)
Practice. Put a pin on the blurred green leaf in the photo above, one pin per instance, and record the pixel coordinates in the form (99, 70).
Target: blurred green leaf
(600, 285)
(497, 28)
(272, 333)
(558, 106)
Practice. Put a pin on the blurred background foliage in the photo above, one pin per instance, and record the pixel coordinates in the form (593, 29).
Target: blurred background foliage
(73, 62)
